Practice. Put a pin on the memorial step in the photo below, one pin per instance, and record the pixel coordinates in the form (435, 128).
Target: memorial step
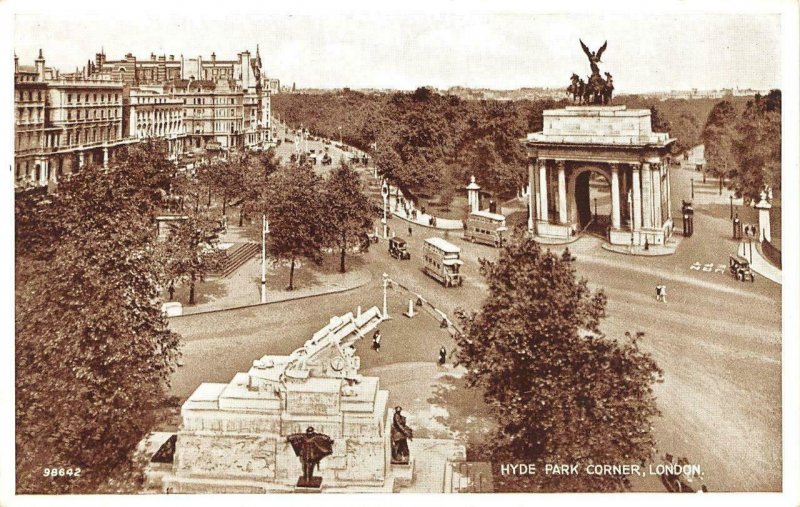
(236, 257)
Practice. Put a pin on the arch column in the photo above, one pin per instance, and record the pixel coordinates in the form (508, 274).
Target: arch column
(647, 197)
(636, 198)
(656, 174)
(531, 196)
(669, 194)
(615, 214)
(562, 192)
(544, 216)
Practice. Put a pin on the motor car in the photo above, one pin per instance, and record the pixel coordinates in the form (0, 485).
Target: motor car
(398, 248)
(740, 268)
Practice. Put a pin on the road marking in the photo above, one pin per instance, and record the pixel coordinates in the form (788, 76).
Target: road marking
(709, 267)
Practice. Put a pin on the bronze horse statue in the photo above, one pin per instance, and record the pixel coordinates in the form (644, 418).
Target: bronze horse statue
(608, 89)
(597, 91)
(575, 89)
(578, 89)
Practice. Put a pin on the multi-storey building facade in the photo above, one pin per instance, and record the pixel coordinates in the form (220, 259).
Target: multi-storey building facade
(30, 96)
(62, 124)
(65, 122)
(151, 113)
(214, 83)
(213, 112)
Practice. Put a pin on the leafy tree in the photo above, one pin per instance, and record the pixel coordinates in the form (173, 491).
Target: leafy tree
(93, 351)
(189, 189)
(562, 391)
(757, 147)
(718, 137)
(258, 167)
(293, 204)
(658, 122)
(347, 211)
(190, 251)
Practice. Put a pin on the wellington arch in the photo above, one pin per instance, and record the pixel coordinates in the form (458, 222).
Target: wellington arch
(617, 144)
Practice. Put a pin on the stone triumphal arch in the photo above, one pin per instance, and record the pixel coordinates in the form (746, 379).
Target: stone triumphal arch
(611, 141)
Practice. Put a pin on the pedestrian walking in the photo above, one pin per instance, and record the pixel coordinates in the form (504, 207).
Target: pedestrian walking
(171, 290)
(376, 341)
(442, 355)
(410, 230)
(661, 293)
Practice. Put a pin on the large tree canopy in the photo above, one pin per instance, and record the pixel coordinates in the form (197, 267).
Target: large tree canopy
(294, 207)
(347, 211)
(743, 144)
(93, 352)
(562, 391)
(424, 139)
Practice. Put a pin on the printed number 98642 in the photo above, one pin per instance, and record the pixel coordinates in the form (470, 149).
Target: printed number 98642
(62, 472)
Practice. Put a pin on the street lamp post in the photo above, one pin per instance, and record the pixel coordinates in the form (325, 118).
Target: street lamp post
(731, 198)
(692, 188)
(385, 193)
(264, 232)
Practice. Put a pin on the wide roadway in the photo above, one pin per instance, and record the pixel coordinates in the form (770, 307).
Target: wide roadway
(718, 340)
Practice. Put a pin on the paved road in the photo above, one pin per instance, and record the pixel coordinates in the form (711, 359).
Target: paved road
(286, 149)
(718, 340)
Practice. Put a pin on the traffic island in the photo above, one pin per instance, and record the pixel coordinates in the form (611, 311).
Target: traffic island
(242, 288)
(650, 251)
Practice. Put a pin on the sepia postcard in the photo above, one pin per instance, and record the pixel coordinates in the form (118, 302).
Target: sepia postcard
(439, 248)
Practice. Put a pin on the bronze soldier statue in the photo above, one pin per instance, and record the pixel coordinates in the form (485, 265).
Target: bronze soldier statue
(400, 436)
(310, 447)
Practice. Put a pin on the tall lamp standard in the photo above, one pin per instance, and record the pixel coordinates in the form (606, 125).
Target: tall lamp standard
(385, 194)
(264, 232)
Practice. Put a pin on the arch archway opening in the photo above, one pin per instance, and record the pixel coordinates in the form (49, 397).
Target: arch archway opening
(593, 201)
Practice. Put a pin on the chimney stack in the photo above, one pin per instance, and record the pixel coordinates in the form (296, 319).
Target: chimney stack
(40, 67)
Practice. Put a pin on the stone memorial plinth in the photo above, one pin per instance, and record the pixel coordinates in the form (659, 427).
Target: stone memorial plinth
(233, 436)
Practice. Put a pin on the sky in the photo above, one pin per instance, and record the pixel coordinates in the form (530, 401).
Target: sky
(403, 50)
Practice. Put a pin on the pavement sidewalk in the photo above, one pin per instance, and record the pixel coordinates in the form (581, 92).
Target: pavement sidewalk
(759, 264)
(242, 288)
(423, 219)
